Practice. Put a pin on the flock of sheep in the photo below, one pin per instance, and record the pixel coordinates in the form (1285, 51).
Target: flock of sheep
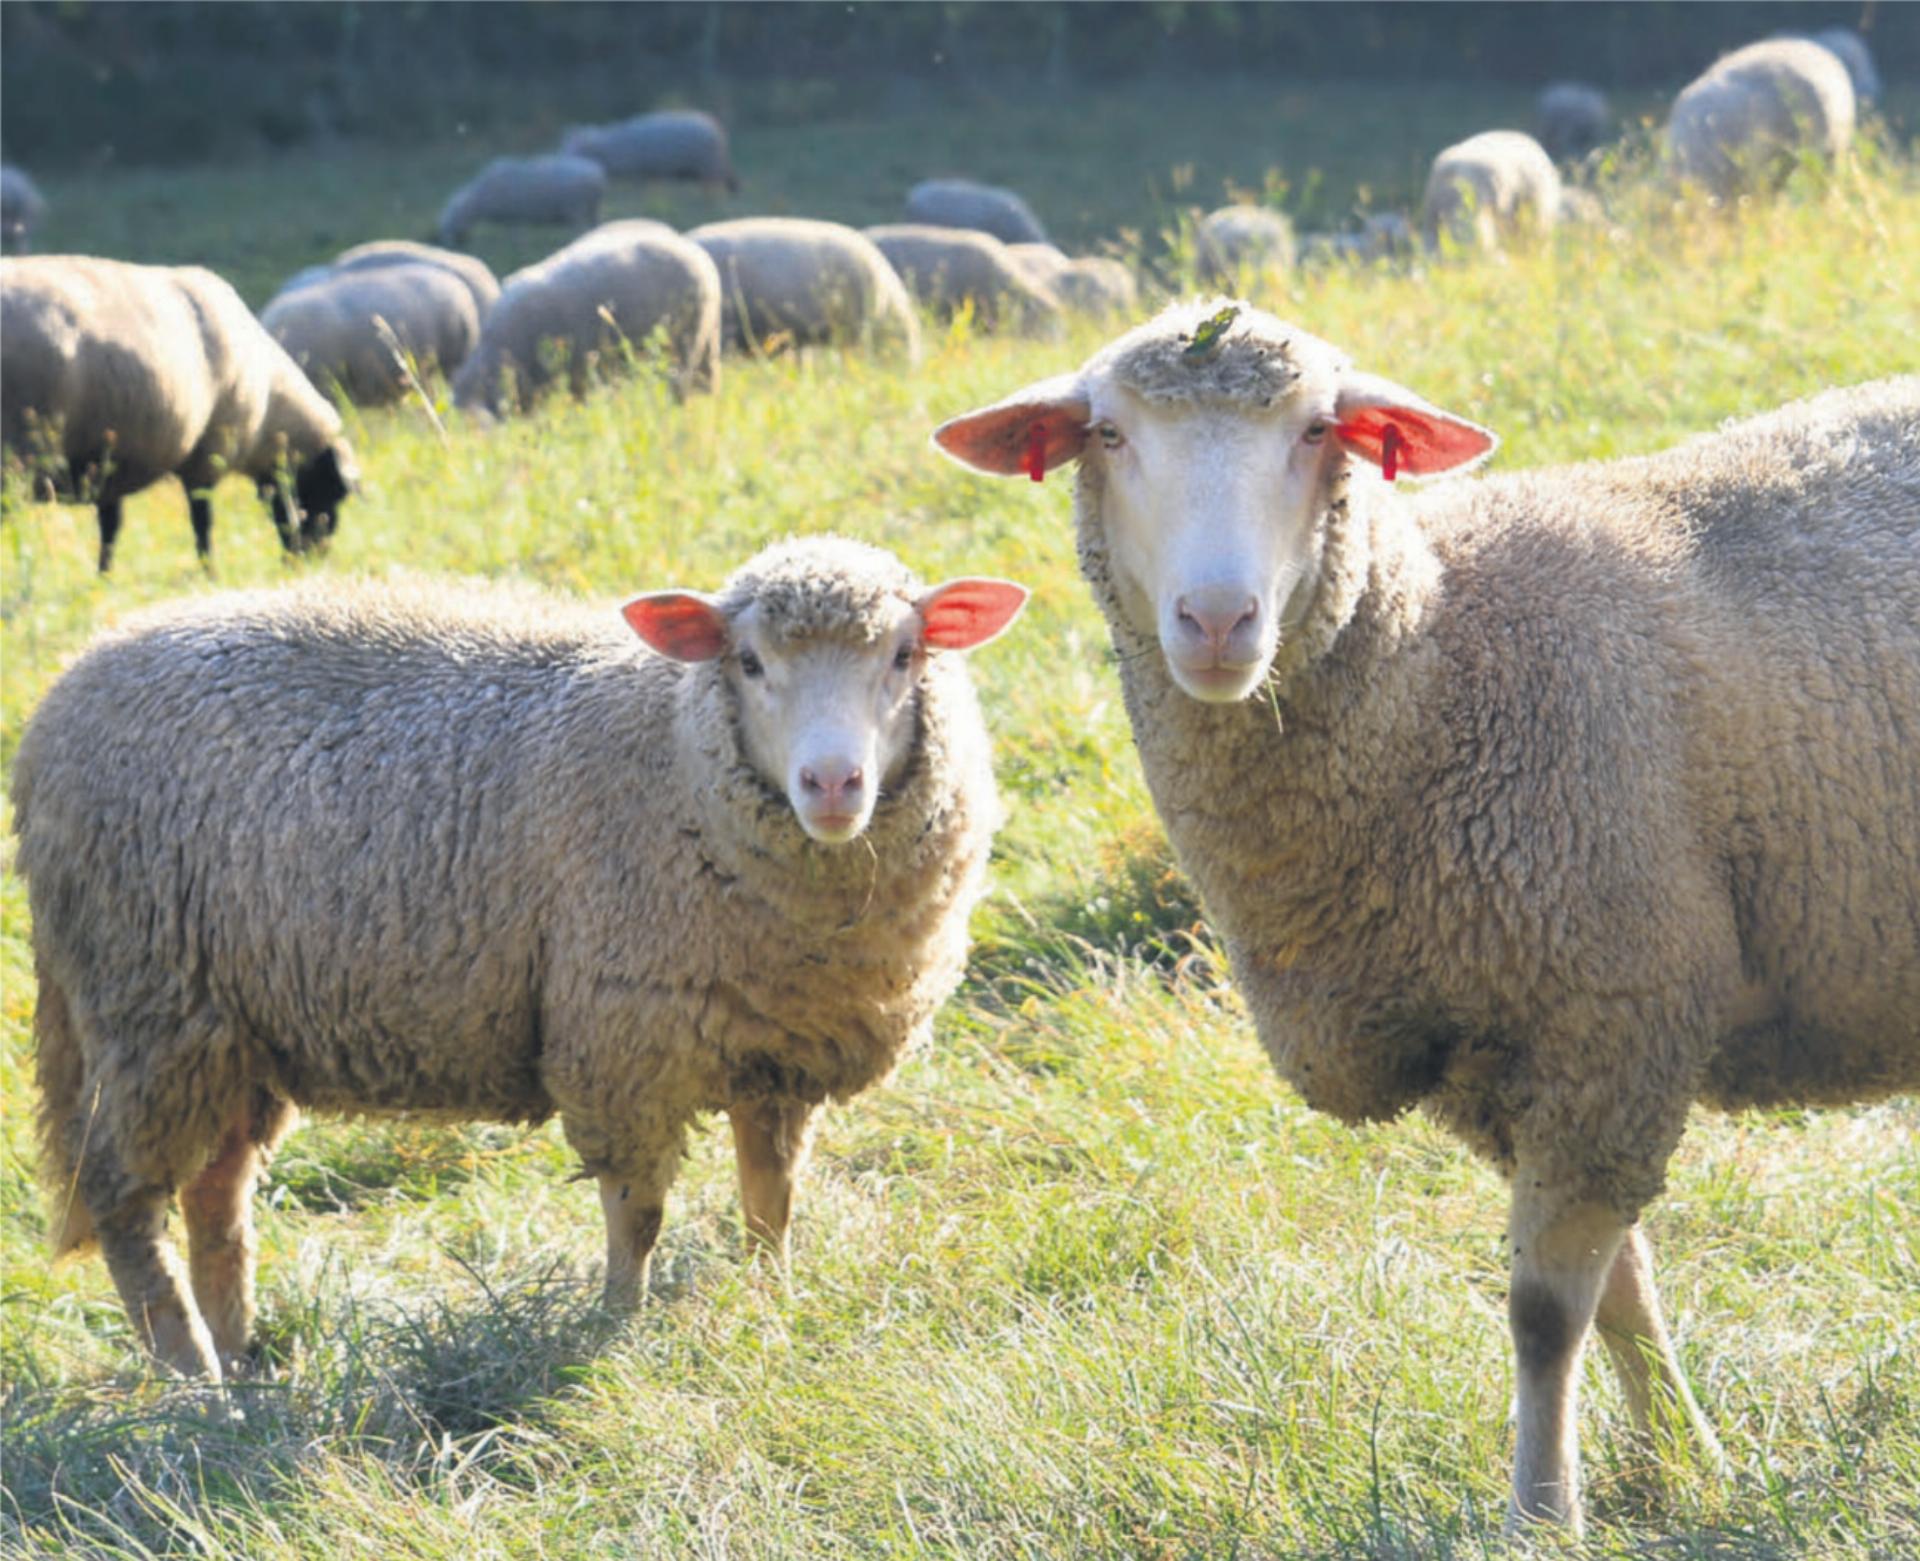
(1538, 821)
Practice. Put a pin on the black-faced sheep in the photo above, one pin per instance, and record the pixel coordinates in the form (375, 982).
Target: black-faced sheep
(1741, 127)
(1567, 798)
(478, 854)
(809, 282)
(557, 190)
(113, 376)
(671, 144)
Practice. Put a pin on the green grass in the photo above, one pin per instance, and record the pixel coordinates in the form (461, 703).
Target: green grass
(1084, 1279)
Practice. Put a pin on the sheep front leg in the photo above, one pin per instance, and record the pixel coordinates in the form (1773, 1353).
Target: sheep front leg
(107, 513)
(771, 1142)
(1563, 1250)
(1631, 1326)
(634, 1201)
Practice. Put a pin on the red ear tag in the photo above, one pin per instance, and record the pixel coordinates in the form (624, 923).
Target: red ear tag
(1390, 443)
(1037, 449)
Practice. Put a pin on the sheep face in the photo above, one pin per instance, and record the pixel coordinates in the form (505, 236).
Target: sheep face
(1215, 450)
(830, 720)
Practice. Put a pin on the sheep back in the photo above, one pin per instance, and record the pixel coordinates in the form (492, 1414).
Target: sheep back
(333, 329)
(554, 189)
(474, 273)
(1497, 185)
(949, 268)
(815, 281)
(1573, 118)
(670, 144)
(1235, 239)
(962, 203)
(1742, 124)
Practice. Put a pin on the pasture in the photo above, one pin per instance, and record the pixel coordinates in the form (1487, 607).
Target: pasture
(1084, 1279)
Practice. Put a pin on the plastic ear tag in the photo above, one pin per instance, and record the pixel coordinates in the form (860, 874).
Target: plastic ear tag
(1037, 450)
(1390, 443)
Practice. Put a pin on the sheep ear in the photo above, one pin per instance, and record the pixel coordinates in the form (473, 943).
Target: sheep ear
(1031, 432)
(682, 624)
(964, 614)
(1384, 422)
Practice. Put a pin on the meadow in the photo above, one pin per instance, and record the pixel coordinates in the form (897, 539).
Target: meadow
(1084, 1279)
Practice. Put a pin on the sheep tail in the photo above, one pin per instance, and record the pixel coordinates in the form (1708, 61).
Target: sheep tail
(65, 1120)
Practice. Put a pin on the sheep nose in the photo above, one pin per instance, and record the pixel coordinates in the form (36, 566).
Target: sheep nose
(1215, 615)
(832, 781)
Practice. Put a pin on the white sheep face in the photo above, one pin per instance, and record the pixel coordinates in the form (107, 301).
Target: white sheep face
(829, 721)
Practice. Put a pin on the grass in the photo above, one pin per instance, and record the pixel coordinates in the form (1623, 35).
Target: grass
(1084, 1279)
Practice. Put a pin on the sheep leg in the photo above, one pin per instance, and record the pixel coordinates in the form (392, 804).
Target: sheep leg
(200, 508)
(218, 1206)
(634, 1202)
(771, 1142)
(1563, 1249)
(1630, 1324)
(107, 512)
(130, 1218)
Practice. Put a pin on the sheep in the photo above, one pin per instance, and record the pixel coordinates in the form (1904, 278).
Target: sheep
(1567, 798)
(1573, 119)
(21, 208)
(671, 144)
(1096, 285)
(588, 304)
(1385, 235)
(350, 328)
(565, 191)
(1495, 186)
(947, 269)
(809, 281)
(987, 208)
(1042, 264)
(1239, 244)
(113, 376)
(1742, 126)
(474, 273)
(1851, 50)
(475, 853)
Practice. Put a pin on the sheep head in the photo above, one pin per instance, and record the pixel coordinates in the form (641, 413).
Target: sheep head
(1216, 457)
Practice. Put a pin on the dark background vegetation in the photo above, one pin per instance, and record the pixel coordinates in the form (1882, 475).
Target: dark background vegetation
(84, 83)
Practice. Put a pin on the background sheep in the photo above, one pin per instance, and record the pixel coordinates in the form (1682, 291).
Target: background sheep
(588, 306)
(1384, 235)
(1851, 50)
(113, 376)
(1236, 244)
(809, 281)
(1569, 798)
(672, 144)
(1492, 187)
(474, 273)
(1096, 285)
(947, 269)
(350, 329)
(576, 878)
(1572, 118)
(961, 203)
(21, 208)
(1745, 123)
(565, 191)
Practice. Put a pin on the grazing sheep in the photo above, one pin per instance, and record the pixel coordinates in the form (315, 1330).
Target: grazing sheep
(1041, 264)
(526, 190)
(1566, 798)
(1097, 285)
(672, 144)
(961, 203)
(810, 281)
(113, 376)
(1573, 118)
(951, 268)
(1851, 50)
(474, 853)
(1239, 245)
(474, 273)
(349, 329)
(586, 306)
(21, 208)
(1492, 187)
(1743, 125)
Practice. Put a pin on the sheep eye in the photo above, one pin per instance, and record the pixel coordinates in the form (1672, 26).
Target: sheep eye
(1108, 434)
(750, 664)
(1317, 430)
(903, 658)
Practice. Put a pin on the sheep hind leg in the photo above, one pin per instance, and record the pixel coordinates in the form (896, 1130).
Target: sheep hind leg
(1630, 1324)
(218, 1210)
(200, 509)
(130, 1220)
(771, 1141)
(1563, 1250)
(107, 512)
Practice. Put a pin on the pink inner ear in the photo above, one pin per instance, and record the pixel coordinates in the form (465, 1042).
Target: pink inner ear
(1425, 442)
(965, 613)
(678, 624)
(1043, 427)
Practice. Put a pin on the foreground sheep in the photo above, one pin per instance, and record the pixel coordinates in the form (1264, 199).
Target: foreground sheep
(671, 144)
(1563, 800)
(360, 330)
(1573, 119)
(22, 207)
(1494, 187)
(1240, 245)
(987, 208)
(948, 269)
(811, 282)
(1743, 125)
(557, 190)
(588, 308)
(113, 376)
(477, 854)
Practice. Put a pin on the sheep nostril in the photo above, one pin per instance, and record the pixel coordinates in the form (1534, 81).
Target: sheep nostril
(808, 780)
